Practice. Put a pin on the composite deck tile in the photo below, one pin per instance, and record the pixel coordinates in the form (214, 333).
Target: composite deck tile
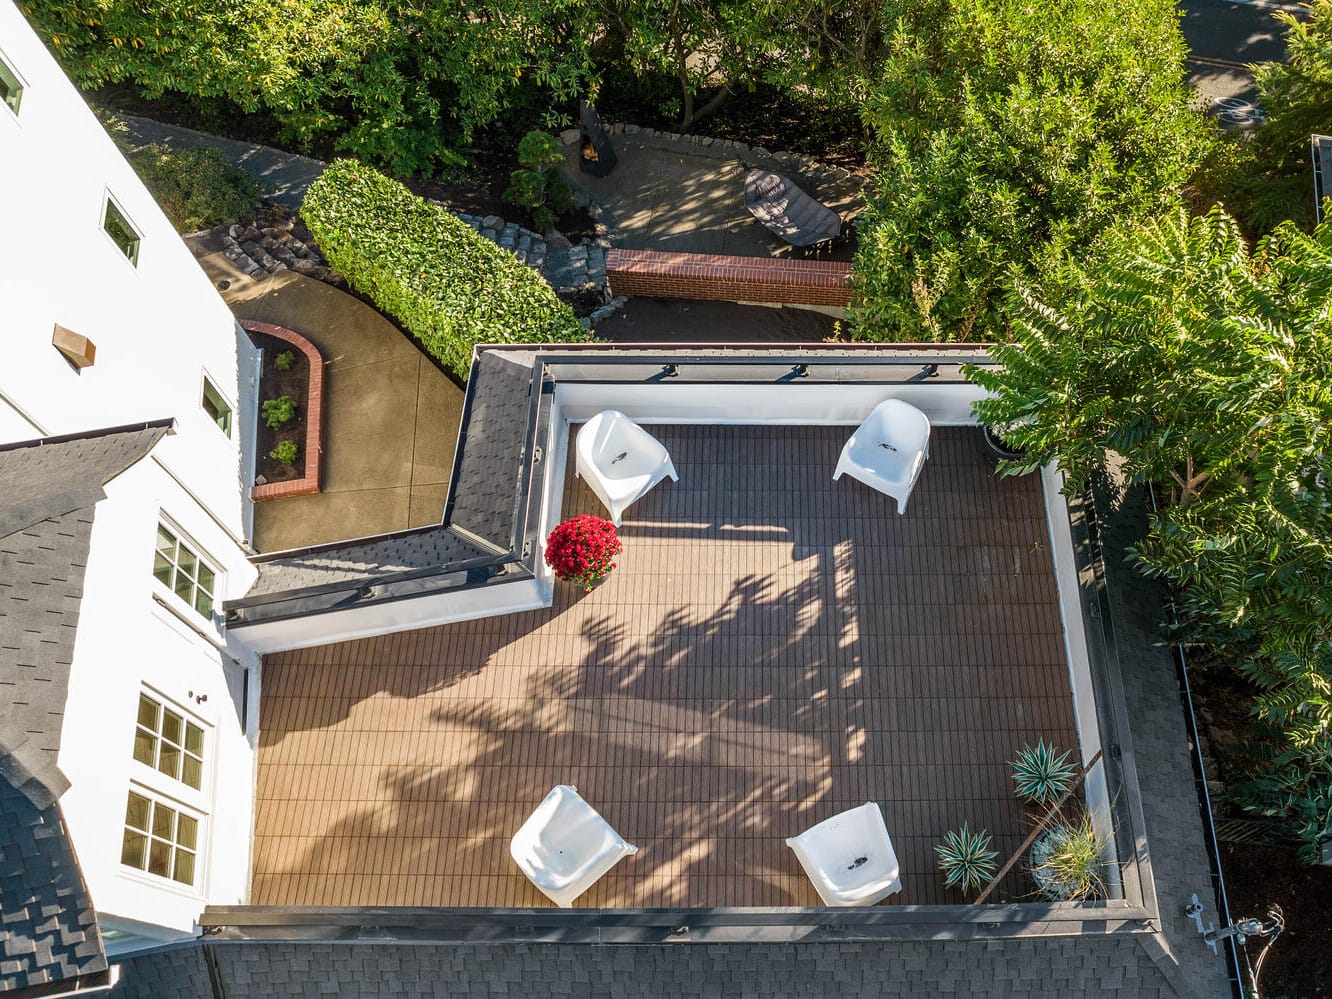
(774, 648)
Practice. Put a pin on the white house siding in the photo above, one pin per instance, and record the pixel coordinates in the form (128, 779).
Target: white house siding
(134, 635)
(158, 328)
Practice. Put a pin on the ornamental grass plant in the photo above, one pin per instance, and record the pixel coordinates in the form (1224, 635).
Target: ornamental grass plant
(582, 550)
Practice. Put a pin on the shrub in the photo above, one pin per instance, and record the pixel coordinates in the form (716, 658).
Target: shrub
(581, 549)
(285, 452)
(279, 412)
(1040, 775)
(196, 188)
(966, 858)
(449, 286)
(285, 360)
(1007, 140)
(537, 186)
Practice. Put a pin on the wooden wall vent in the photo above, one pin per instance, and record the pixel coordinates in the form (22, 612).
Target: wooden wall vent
(77, 350)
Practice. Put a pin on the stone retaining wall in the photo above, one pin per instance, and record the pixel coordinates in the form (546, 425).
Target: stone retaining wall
(729, 279)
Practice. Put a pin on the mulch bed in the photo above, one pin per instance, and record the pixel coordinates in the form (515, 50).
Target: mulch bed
(274, 384)
(1300, 962)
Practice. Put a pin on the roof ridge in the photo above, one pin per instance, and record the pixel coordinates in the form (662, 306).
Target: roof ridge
(168, 423)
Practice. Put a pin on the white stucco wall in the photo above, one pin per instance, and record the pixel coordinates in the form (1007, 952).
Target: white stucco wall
(158, 328)
(129, 640)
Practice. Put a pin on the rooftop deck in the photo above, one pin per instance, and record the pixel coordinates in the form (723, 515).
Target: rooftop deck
(774, 647)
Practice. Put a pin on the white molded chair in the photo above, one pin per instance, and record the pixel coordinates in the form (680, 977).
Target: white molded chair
(849, 857)
(565, 846)
(888, 450)
(620, 460)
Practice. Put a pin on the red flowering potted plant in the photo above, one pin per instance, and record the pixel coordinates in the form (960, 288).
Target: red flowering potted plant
(582, 549)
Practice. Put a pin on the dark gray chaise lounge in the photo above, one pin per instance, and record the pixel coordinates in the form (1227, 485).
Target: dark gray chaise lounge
(788, 211)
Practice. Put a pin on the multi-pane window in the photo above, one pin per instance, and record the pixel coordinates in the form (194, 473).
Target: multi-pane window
(159, 839)
(169, 742)
(121, 231)
(216, 407)
(11, 87)
(182, 571)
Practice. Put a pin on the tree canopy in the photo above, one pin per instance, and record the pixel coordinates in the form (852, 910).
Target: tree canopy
(1008, 139)
(1204, 367)
(393, 83)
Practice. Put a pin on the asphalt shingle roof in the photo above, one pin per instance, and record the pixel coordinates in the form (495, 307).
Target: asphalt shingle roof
(48, 929)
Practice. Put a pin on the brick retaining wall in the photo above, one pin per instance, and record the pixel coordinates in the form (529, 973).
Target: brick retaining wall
(728, 279)
(314, 413)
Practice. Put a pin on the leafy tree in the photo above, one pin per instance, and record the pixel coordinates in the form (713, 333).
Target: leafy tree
(1204, 368)
(706, 47)
(399, 84)
(1007, 139)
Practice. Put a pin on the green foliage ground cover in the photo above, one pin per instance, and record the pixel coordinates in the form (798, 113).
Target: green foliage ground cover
(446, 284)
(197, 188)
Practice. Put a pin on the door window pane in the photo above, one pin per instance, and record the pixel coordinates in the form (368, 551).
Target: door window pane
(179, 568)
(165, 739)
(170, 849)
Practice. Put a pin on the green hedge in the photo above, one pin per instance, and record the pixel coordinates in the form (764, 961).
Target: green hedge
(447, 284)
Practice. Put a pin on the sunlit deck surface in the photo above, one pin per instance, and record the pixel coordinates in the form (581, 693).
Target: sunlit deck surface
(774, 647)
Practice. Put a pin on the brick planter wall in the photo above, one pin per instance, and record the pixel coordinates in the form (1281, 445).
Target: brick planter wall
(728, 279)
(314, 417)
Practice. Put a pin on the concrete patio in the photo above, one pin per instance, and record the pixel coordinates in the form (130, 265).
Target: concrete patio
(391, 416)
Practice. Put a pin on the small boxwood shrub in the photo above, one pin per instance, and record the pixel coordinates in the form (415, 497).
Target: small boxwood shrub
(279, 412)
(284, 451)
(449, 286)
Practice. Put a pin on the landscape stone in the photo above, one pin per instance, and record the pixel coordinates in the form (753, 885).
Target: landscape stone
(569, 136)
(307, 267)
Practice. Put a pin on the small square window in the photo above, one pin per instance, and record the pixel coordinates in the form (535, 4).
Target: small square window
(11, 87)
(121, 231)
(216, 407)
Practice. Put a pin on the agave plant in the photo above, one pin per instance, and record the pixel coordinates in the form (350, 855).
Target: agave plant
(1041, 774)
(966, 859)
(1067, 862)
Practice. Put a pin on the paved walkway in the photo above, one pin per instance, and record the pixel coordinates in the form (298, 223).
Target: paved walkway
(391, 418)
(283, 177)
(1224, 39)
